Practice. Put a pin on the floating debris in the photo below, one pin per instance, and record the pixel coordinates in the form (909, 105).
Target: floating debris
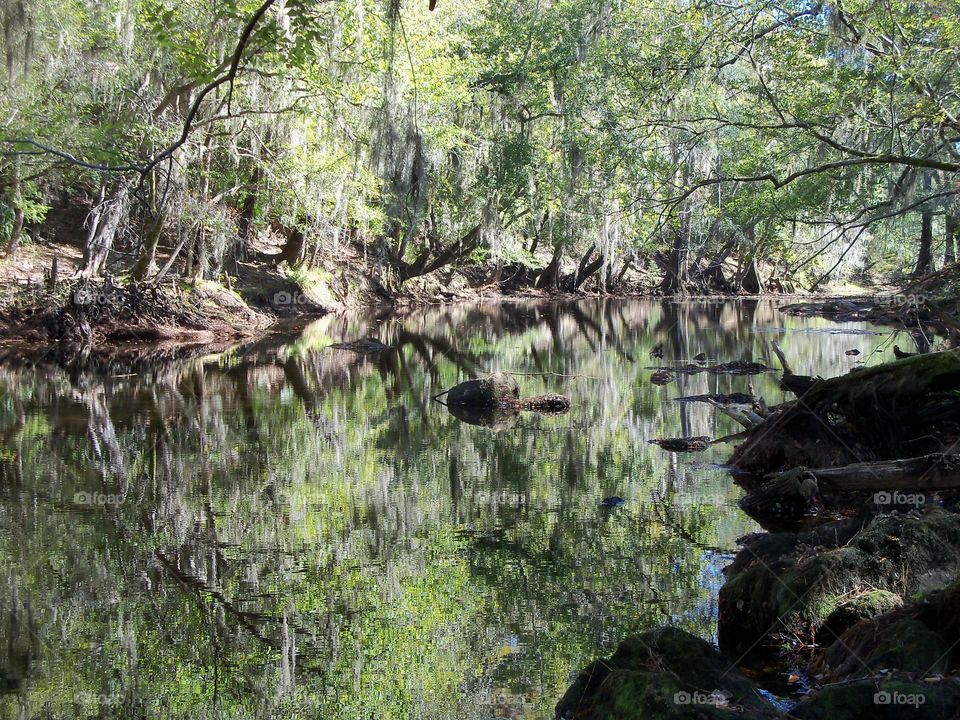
(737, 367)
(731, 399)
(661, 377)
(689, 444)
(366, 346)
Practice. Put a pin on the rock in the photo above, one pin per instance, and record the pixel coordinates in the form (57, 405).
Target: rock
(895, 640)
(916, 638)
(862, 606)
(888, 699)
(794, 582)
(484, 392)
(659, 675)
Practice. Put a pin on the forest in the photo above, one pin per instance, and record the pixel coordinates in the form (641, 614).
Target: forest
(366, 148)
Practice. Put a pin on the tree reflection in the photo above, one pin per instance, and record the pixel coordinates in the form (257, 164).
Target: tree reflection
(283, 528)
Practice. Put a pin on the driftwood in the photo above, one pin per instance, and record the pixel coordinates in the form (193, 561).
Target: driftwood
(743, 415)
(797, 384)
(685, 444)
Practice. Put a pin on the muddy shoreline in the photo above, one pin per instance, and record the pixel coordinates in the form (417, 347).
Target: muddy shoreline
(105, 317)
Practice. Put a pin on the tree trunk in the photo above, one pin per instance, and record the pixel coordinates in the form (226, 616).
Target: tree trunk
(925, 255)
(548, 276)
(198, 251)
(146, 263)
(105, 222)
(675, 280)
(249, 208)
(17, 230)
(952, 237)
(16, 233)
(585, 269)
(293, 249)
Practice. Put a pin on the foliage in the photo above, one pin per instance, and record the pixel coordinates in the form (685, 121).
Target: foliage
(803, 133)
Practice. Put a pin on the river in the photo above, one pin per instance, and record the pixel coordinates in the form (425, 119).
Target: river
(283, 529)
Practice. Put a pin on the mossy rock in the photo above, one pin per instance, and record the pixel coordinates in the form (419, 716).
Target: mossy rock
(488, 391)
(897, 640)
(663, 674)
(854, 609)
(892, 699)
(798, 591)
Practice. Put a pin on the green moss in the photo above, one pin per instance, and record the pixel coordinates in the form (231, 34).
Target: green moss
(662, 674)
(889, 700)
(894, 554)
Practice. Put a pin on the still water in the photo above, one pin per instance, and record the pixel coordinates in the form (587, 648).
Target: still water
(283, 529)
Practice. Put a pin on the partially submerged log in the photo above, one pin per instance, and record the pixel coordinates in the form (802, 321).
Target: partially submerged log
(661, 377)
(543, 403)
(731, 399)
(735, 367)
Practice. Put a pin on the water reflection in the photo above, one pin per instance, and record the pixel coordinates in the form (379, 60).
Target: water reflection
(286, 529)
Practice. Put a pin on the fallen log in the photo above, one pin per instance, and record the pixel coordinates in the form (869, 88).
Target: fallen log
(541, 403)
(904, 408)
(800, 491)
(928, 472)
(906, 379)
(731, 399)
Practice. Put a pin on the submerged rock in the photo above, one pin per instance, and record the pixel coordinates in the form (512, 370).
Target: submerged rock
(663, 674)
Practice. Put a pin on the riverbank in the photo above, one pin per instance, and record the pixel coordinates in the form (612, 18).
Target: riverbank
(43, 299)
(845, 606)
